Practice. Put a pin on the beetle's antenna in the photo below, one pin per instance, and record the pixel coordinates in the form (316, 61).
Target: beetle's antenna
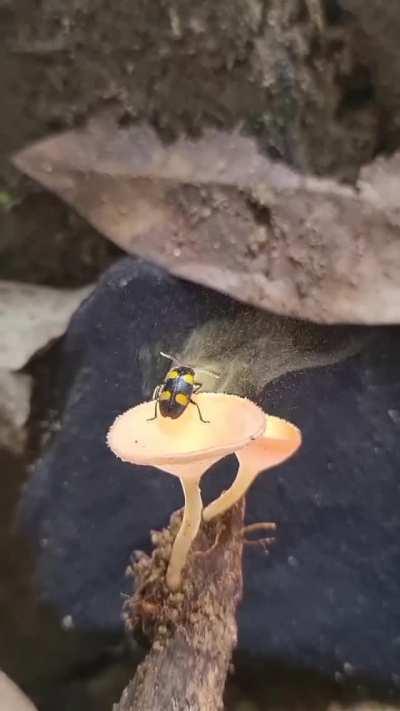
(199, 370)
(170, 357)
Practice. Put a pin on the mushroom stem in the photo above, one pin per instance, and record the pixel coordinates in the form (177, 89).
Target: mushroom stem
(187, 533)
(228, 498)
(279, 442)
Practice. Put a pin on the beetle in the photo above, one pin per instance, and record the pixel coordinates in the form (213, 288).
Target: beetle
(175, 393)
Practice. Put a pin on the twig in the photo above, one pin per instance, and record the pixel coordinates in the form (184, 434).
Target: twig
(192, 632)
(262, 525)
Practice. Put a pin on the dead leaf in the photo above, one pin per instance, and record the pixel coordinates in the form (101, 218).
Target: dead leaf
(15, 399)
(31, 317)
(11, 697)
(220, 213)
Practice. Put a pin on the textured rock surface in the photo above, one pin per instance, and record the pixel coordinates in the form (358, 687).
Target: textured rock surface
(380, 24)
(269, 63)
(326, 597)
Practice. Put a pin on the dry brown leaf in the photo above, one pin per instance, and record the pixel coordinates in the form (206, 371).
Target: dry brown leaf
(11, 697)
(218, 212)
(31, 317)
(15, 402)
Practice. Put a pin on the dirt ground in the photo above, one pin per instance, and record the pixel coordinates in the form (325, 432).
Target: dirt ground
(300, 75)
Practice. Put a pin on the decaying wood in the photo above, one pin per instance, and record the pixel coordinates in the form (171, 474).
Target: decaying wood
(193, 632)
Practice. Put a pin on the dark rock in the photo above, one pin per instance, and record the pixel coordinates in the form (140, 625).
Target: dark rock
(326, 597)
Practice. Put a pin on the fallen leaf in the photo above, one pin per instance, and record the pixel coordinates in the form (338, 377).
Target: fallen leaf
(31, 317)
(11, 697)
(220, 213)
(15, 398)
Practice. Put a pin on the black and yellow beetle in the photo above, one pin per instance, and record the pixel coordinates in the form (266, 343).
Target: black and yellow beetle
(175, 393)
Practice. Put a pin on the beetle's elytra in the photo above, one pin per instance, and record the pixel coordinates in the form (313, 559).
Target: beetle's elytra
(174, 395)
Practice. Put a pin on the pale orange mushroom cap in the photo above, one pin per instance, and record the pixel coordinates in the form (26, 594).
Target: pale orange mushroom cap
(187, 447)
(170, 444)
(279, 441)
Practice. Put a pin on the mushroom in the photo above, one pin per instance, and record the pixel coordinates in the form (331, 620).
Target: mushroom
(279, 441)
(187, 447)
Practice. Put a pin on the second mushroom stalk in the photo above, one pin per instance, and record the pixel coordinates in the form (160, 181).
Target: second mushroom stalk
(278, 442)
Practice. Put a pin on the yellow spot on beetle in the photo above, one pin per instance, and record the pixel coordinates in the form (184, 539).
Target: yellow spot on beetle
(188, 378)
(172, 375)
(165, 395)
(181, 399)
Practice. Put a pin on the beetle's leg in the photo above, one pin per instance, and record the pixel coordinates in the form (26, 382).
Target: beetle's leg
(206, 422)
(155, 397)
(156, 392)
(149, 419)
(196, 388)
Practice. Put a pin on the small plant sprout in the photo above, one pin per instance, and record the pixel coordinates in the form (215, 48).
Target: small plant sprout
(186, 448)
